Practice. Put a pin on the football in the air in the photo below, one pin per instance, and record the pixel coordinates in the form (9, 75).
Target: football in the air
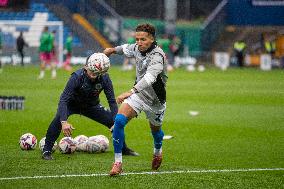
(98, 63)
(28, 141)
(42, 143)
(81, 142)
(67, 145)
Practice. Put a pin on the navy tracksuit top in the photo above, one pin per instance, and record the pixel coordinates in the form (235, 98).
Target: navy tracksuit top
(82, 92)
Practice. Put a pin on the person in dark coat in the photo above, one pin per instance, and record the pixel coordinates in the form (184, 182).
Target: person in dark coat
(20, 47)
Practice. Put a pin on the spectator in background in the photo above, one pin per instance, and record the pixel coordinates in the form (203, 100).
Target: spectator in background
(1, 70)
(239, 49)
(20, 47)
(262, 39)
(68, 53)
(53, 53)
(270, 47)
(129, 62)
(45, 51)
(175, 47)
(164, 43)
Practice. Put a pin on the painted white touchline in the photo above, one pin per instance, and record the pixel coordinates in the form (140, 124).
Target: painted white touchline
(145, 173)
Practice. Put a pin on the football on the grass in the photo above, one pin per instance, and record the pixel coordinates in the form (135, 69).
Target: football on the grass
(81, 142)
(104, 142)
(28, 141)
(93, 145)
(42, 143)
(67, 145)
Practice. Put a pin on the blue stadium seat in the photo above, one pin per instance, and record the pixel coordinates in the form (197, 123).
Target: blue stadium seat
(28, 15)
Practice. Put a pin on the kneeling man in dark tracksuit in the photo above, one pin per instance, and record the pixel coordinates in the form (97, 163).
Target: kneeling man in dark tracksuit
(81, 96)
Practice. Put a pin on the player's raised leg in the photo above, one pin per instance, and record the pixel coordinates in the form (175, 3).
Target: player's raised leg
(118, 139)
(125, 113)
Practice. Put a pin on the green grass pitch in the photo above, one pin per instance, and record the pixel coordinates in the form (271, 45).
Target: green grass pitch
(240, 126)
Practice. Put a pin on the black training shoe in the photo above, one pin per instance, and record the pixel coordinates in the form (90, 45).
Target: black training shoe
(46, 155)
(128, 152)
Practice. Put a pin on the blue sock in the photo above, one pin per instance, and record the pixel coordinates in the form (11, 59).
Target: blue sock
(158, 138)
(118, 132)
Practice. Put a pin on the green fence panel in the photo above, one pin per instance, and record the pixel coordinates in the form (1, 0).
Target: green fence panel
(189, 33)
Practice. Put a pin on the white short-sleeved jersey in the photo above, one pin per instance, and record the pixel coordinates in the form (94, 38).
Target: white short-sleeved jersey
(151, 72)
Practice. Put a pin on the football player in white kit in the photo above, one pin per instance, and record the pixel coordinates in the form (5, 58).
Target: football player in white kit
(148, 94)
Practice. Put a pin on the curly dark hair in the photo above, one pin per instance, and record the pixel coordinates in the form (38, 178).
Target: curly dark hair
(146, 28)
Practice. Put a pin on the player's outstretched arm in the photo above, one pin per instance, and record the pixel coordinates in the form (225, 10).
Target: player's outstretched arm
(109, 51)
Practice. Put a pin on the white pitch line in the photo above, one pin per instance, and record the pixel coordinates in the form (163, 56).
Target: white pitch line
(146, 173)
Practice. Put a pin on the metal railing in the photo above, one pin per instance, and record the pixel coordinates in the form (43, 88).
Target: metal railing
(106, 20)
(213, 26)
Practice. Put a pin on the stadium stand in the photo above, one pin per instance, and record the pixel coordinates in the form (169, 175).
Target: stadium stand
(39, 14)
(90, 44)
(205, 28)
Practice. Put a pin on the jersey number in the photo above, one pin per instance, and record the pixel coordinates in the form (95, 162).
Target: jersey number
(159, 117)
